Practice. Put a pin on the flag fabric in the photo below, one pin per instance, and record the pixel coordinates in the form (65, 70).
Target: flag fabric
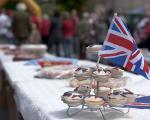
(141, 103)
(120, 48)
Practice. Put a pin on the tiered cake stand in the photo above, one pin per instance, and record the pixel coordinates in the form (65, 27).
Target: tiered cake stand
(102, 109)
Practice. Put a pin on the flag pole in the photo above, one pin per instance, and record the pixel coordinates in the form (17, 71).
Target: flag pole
(115, 14)
(97, 64)
(98, 60)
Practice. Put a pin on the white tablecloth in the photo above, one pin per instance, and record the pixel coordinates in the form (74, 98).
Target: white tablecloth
(19, 72)
(5, 58)
(9, 58)
(39, 99)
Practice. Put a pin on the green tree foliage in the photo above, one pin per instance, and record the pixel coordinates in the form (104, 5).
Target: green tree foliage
(10, 5)
(71, 4)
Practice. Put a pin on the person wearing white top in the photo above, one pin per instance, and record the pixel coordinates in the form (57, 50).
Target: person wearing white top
(5, 23)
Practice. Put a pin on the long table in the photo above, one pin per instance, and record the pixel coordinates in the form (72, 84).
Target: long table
(6, 88)
(39, 99)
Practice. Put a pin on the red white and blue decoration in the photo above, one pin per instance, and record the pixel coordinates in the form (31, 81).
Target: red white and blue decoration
(120, 48)
(141, 103)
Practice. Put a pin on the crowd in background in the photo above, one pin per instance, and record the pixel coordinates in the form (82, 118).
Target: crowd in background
(65, 33)
(142, 32)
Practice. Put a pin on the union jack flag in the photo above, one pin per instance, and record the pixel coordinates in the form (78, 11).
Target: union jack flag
(120, 48)
(141, 103)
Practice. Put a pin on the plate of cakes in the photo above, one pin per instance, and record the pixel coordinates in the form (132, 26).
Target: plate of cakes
(93, 48)
(56, 72)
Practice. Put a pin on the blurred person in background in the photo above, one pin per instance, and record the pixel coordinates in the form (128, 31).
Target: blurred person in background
(68, 34)
(10, 37)
(75, 20)
(21, 24)
(10, 13)
(140, 33)
(37, 21)
(35, 37)
(5, 23)
(55, 33)
(45, 28)
(108, 17)
(74, 17)
(83, 31)
(147, 33)
(100, 30)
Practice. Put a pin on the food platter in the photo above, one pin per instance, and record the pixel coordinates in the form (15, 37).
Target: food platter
(100, 98)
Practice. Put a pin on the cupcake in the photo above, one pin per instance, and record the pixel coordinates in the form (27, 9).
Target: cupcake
(93, 102)
(76, 83)
(66, 95)
(84, 82)
(82, 90)
(117, 82)
(116, 72)
(83, 73)
(116, 100)
(73, 82)
(93, 48)
(103, 84)
(72, 99)
(103, 91)
(101, 76)
(130, 96)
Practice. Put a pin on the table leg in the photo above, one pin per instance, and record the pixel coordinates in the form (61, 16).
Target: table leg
(11, 104)
(3, 98)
